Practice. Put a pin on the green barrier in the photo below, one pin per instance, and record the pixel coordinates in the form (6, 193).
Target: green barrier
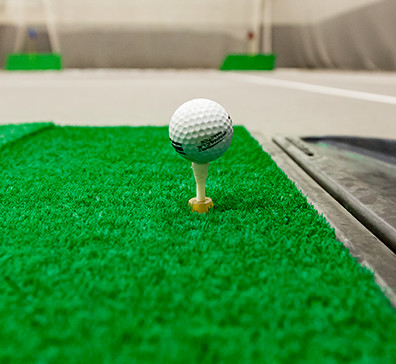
(258, 62)
(33, 62)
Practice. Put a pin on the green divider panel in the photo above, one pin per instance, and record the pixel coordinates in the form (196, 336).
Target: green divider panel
(260, 62)
(33, 62)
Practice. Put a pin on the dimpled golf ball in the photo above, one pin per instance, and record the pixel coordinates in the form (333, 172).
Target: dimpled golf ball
(200, 130)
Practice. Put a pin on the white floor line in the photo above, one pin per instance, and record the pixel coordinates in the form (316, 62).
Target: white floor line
(308, 87)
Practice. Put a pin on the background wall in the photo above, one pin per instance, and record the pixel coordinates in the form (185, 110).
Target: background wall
(314, 11)
(351, 34)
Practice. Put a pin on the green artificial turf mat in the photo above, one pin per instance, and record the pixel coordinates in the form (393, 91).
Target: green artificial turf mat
(101, 260)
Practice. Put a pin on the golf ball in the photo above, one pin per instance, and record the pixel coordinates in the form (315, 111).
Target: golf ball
(200, 130)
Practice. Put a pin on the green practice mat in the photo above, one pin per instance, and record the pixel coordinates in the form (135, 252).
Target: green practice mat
(101, 260)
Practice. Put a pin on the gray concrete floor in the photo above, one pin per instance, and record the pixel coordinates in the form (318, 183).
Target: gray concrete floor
(377, 82)
(354, 103)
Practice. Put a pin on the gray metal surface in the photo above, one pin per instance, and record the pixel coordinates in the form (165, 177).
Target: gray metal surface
(365, 185)
(361, 243)
(379, 149)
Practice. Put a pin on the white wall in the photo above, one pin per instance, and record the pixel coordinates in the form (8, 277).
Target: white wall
(176, 13)
(288, 12)
(170, 13)
(307, 33)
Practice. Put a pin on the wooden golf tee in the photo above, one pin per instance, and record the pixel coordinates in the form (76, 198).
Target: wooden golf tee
(201, 203)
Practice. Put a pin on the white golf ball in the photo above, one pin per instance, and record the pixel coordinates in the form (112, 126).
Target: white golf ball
(200, 130)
